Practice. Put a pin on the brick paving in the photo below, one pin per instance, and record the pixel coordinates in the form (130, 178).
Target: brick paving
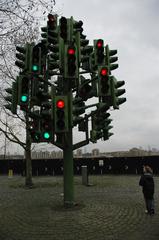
(111, 209)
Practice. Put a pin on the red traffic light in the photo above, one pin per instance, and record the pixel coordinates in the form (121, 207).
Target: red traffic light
(103, 72)
(100, 43)
(71, 51)
(60, 104)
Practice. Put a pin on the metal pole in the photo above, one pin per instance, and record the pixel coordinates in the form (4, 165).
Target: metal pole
(68, 170)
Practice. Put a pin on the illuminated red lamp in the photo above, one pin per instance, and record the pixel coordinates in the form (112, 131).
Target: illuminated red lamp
(71, 51)
(103, 72)
(60, 104)
(100, 43)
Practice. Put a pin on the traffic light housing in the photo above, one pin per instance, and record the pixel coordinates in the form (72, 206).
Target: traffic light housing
(85, 90)
(23, 57)
(63, 28)
(71, 68)
(71, 64)
(34, 129)
(12, 98)
(52, 29)
(53, 60)
(100, 125)
(23, 91)
(36, 60)
(78, 108)
(96, 132)
(116, 92)
(46, 130)
(111, 59)
(99, 52)
(46, 124)
(60, 109)
(103, 81)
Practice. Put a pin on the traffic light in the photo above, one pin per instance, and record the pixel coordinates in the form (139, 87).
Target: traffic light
(12, 98)
(106, 126)
(111, 59)
(39, 90)
(85, 90)
(49, 33)
(96, 132)
(46, 125)
(99, 52)
(116, 92)
(36, 60)
(23, 91)
(60, 114)
(53, 60)
(46, 130)
(22, 56)
(80, 40)
(34, 129)
(52, 29)
(63, 28)
(44, 35)
(78, 108)
(103, 81)
(71, 64)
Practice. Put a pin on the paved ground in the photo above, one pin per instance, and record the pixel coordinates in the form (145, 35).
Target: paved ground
(111, 209)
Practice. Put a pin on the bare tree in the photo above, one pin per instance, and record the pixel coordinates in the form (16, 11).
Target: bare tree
(19, 23)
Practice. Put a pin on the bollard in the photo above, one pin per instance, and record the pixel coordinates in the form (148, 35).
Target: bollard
(10, 173)
(84, 175)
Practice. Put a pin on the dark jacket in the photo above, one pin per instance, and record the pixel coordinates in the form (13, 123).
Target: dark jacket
(147, 183)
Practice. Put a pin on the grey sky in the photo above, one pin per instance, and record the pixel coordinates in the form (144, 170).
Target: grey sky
(131, 27)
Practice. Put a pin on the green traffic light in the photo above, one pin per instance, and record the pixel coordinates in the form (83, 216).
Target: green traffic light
(35, 68)
(46, 135)
(24, 98)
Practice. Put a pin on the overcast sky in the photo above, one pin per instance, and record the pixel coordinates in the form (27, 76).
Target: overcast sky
(131, 27)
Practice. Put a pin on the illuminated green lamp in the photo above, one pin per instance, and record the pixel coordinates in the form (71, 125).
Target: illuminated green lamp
(46, 135)
(35, 68)
(24, 98)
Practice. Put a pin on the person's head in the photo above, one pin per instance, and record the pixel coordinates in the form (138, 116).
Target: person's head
(147, 169)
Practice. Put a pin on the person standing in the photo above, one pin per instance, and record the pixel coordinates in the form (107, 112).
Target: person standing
(147, 183)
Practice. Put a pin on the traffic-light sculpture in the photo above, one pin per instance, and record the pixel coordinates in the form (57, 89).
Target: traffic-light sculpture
(64, 52)
(55, 69)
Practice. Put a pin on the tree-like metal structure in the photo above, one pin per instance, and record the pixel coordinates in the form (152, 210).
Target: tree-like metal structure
(58, 75)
